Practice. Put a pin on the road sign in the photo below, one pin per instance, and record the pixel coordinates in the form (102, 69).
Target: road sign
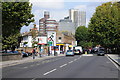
(51, 37)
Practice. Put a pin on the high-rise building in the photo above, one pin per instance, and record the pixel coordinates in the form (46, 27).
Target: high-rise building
(66, 25)
(82, 18)
(46, 24)
(73, 13)
(77, 17)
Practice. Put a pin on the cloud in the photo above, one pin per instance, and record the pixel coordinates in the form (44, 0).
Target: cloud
(27, 28)
(51, 4)
(38, 14)
(54, 14)
(57, 15)
(81, 7)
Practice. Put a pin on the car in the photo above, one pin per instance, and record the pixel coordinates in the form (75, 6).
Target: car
(24, 54)
(100, 53)
(77, 52)
(69, 53)
(12, 52)
(29, 53)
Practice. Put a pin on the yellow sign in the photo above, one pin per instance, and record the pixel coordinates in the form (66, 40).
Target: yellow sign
(59, 44)
(70, 46)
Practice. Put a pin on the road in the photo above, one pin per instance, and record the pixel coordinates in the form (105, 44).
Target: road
(79, 66)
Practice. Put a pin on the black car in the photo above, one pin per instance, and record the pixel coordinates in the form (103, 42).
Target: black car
(100, 53)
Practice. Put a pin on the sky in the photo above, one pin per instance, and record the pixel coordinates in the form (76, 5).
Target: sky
(60, 8)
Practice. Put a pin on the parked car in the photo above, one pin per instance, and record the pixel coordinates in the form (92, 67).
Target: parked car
(29, 54)
(11, 52)
(100, 53)
(24, 54)
(69, 53)
(77, 52)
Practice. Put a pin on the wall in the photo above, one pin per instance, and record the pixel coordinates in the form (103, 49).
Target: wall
(7, 57)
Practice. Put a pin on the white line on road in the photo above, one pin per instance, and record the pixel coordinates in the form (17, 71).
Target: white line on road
(79, 57)
(75, 59)
(25, 67)
(50, 71)
(63, 65)
(33, 78)
(38, 64)
(31, 65)
(71, 62)
(113, 63)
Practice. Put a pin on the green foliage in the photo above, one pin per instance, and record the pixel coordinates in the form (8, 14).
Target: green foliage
(82, 37)
(34, 32)
(34, 42)
(104, 26)
(14, 16)
(10, 42)
(25, 43)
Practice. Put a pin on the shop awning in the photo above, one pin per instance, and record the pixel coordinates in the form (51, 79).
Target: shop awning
(59, 44)
(41, 43)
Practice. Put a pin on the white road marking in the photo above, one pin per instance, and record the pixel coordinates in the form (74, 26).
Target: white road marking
(79, 57)
(71, 62)
(113, 63)
(87, 55)
(49, 71)
(43, 62)
(63, 65)
(31, 65)
(25, 67)
(75, 59)
(38, 64)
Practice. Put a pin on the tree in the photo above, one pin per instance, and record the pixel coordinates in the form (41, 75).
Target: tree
(104, 26)
(34, 33)
(82, 37)
(14, 16)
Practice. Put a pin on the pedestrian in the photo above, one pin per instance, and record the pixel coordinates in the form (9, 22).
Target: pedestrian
(40, 54)
(48, 53)
(34, 52)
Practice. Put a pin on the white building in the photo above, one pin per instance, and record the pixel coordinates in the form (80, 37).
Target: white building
(78, 17)
(27, 37)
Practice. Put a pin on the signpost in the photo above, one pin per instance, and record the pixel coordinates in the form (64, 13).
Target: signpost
(51, 37)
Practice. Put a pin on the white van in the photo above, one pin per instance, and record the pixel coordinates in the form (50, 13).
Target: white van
(80, 48)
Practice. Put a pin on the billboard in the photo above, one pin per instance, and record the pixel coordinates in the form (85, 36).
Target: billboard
(42, 40)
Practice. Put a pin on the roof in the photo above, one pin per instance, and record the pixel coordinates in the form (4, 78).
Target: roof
(26, 34)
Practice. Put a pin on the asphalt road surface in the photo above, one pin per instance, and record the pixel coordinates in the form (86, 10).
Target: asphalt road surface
(79, 66)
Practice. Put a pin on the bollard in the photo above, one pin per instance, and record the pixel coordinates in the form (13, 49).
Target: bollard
(85, 52)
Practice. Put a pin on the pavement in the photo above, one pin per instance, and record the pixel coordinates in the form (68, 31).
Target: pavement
(25, 60)
(115, 58)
